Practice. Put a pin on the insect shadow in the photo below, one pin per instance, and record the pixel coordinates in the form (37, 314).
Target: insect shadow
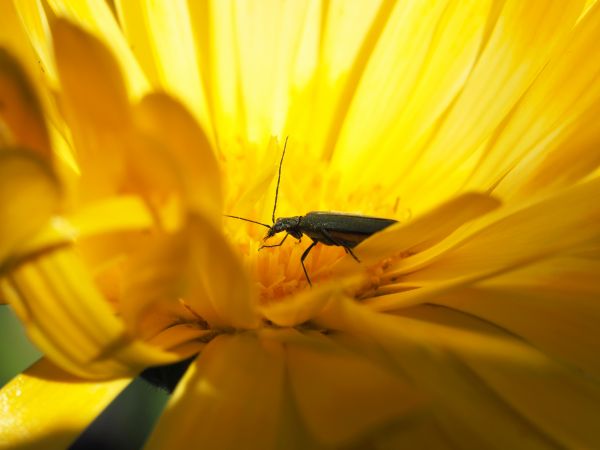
(328, 228)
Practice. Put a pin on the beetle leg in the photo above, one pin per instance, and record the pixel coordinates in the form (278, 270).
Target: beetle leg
(274, 245)
(349, 250)
(336, 242)
(303, 257)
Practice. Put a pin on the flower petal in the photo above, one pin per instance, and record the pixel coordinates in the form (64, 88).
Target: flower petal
(98, 18)
(35, 32)
(549, 228)
(29, 194)
(47, 408)
(559, 97)
(343, 396)
(99, 118)
(162, 35)
(403, 87)
(556, 225)
(561, 294)
(488, 388)
(428, 160)
(247, 53)
(195, 265)
(232, 394)
(20, 108)
(424, 231)
(111, 215)
(220, 278)
(347, 35)
(570, 156)
(171, 125)
(69, 320)
(301, 307)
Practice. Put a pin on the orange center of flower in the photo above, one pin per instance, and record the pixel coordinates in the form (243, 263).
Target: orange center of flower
(278, 270)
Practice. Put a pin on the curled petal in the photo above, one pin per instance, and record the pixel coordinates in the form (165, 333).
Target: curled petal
(175, 129)
(69, 320)
(29, 194)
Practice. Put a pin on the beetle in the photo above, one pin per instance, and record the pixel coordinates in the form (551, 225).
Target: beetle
(325, 227)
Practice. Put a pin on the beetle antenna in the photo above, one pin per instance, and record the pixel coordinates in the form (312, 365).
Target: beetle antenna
(279, 179)
(248, 220)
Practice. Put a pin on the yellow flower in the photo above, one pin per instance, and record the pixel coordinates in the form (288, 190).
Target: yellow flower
(130, 128)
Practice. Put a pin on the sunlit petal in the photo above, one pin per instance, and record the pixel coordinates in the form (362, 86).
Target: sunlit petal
(558, 93)
(160, 33)
(47, 408)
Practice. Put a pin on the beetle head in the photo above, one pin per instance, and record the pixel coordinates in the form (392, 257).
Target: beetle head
(288, 224)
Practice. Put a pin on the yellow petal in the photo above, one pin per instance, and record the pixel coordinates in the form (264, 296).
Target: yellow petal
(423, 231)
(167, 49)
(403, 87)
(196, 265)
(158, 277)
(24, 32)
(343, 396)
(550, 227)
(20, 108)
(231, 396)
(347, 36)
(559, 97)
(518, 239)
(488, 388)
(111, 215)
(98, 19)
(135, 31)
(569, 157)
(99, 118)
(83, 62)
(47, 408)
(220, 278)
(429, 159)
(68, 319)
(247, 53)
(299, 308)
(29, 194)
(560, 294)
(171, 125)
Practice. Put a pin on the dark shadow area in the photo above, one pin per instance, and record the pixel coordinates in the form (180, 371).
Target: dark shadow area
(127, 422)
(129, 419)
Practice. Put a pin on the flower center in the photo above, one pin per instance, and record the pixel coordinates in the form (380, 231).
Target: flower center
(278, 271)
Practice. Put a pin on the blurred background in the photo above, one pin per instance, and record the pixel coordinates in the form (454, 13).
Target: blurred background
(125, 424)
